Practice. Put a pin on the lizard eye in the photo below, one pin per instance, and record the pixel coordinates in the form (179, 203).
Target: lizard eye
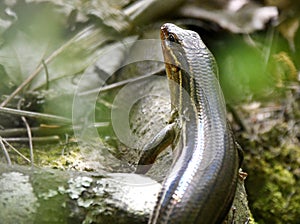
(171, 37)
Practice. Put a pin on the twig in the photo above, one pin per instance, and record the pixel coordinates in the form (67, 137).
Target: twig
(46, 130)
(41, 130)
(35, 115)
(47, 74)
(53, 138)
(28, 132)
(121, 83)
(14, 149)
(65, 145)
(29, 139)
(5, 151)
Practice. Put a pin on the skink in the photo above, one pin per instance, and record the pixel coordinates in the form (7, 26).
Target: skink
(201, 183)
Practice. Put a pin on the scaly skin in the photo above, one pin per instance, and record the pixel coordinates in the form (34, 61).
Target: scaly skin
(201, 184)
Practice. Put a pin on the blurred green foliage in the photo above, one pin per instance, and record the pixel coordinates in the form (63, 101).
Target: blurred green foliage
(254, 67)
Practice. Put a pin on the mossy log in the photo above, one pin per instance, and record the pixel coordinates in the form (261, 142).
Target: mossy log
(32, 195)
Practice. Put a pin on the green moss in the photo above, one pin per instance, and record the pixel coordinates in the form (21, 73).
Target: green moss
(272, 186)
